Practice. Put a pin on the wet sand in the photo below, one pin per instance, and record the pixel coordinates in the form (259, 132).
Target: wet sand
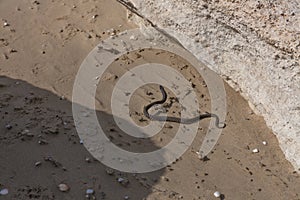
(40, 53)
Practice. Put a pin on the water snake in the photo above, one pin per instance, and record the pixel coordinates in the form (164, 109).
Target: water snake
(177, 119)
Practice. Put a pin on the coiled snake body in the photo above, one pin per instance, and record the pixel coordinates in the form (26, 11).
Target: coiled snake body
(176, 119)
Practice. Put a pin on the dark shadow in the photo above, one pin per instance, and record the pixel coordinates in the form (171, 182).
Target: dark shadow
(40, 149)
(222, 197)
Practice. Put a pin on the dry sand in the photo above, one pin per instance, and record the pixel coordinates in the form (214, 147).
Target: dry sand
(41, 51)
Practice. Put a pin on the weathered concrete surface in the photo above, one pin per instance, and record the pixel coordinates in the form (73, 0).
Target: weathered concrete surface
(254, 45)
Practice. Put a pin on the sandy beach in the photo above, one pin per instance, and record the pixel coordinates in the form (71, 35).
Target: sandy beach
(42, 45)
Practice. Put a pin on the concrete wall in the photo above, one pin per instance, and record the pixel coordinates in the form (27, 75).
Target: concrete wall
(254, 45)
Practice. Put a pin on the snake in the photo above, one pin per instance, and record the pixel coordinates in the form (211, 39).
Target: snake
(176, 119)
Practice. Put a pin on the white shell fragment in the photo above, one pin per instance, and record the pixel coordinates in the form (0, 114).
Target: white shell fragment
(255, 150)
(63, 187)
(133, 37)
(264, 142)
(4, 192)
(89, 191)
(217, 194)
(94, 16)
(120, 180)
(8, 127)
(38, 163)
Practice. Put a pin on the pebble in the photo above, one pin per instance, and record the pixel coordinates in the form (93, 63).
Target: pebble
(120, 180)
(123, 181)
(81, 141)
(42, 142)
(217, 194)
(38, 163)
(5, 56)
(89, 191)
(110, 171)
(255, 150)
(4, 191)
(94, 16)
(126, 197)
(133, 37)
(13, 51)
(5, 24)
(63, 187)
(88, 35)
(8, 127)
(264, 142)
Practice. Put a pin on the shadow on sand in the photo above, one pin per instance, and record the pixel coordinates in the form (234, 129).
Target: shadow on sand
(41, 150)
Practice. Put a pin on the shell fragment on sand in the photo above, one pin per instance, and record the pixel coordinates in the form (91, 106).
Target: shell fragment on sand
(217, 194)
(63, 187)
(4, 191)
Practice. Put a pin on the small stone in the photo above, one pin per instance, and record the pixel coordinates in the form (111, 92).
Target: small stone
(38, 163)
(94, 16)
(81, 141)
(120, 180)
(123, 181)
(63, 187)
(110, 171)
(13, 51)
(5, 24)
(264, 143)
(8, 127)
(255, 150)
(88, 160)
(133, 37)
(126, 197)
(217, 194)
(89, 191)
(88, 36)
(43, 142)
(4, 191)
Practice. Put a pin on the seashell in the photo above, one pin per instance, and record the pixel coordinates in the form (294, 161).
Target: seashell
(255, 150)
(38, 163)
(8, 127)
(89, 191)
(4, 191)
(120, 180)
(133, 37)
(88, 160)
(217, 194)
(110, 171)
(63, 187)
